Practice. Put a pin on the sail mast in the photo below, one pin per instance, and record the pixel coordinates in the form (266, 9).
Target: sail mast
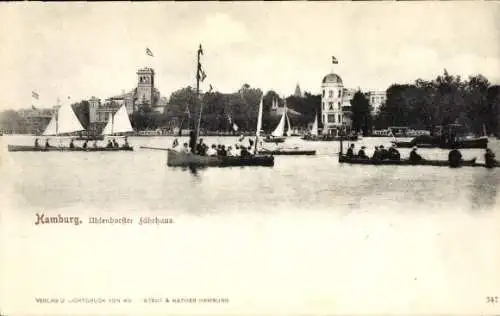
(200, 51)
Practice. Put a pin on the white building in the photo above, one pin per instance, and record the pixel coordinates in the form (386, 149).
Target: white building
(334, 111)
(376, 99)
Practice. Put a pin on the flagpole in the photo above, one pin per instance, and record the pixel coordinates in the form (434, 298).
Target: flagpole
(198, 94)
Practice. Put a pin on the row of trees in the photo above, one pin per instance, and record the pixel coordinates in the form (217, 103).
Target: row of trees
(221, 110)
(473, 103)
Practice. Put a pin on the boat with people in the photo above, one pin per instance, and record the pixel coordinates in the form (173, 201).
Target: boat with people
(64, 122)
(279, 135)
(386, 157)
(195, 154)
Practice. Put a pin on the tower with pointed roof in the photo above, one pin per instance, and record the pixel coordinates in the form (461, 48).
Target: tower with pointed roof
(298, 92)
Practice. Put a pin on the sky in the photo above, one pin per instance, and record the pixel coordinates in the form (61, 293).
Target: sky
(94, 49)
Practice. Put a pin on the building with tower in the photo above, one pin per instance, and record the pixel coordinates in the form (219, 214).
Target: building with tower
(335, 113)
(298, 92)
(143, 97)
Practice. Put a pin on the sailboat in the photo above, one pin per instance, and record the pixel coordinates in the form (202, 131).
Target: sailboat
(189, 159)
(277, 136)
(63, 122)
(314, 130)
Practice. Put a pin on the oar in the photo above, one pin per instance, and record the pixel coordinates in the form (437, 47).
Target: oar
(154, 148)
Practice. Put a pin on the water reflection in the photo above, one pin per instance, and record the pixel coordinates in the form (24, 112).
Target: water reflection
(485, 189)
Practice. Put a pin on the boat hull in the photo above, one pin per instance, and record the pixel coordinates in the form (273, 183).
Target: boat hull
(17, 148)
(435, 163)
(289, 152)
(466, 143)
(178, 159)
(274, 140)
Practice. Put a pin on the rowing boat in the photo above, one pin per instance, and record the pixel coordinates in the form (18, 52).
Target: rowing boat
(79, 149)
(436, 163)
(180, 159)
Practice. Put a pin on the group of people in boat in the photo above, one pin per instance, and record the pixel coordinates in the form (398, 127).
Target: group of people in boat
(112, 143)
(380, 153)
(202, 149)
(454, 156)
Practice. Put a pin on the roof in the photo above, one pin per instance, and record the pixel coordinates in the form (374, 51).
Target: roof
(332, 78)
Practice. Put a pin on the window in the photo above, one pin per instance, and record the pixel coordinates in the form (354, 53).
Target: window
(331, 106)
(331, 118)
(330, 93)
(339, 118)
(339, 106)
(323, 93)
(324, 105)
(340, 92)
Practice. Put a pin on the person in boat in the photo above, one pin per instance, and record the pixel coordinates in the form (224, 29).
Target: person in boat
(126, 144)
(489, 158)
(237, 150)
(36, 143)
(222, 152)
(414, 156)
(455, 157)
(115, 144)
(110, 144)
(393, 153)
(185, 149)
(192, 141)
(376, 154)
(47, 144)
(212, 151)
(84, 146)
(384, 154)
(71, 144)
(201, 148)
(245, 152)
(361, 153)
(230, 151)
(350, 151)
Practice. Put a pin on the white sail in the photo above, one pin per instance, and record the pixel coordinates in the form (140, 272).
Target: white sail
(280, 129)
(259, 120)
(314, 129)
(118, 123)
(289, 132)
(63, 121)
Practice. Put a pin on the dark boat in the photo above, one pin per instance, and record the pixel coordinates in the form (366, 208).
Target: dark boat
(273, 139)
(79, 149)
(288, 152)
(436, 163)
(179, 159)
(426, 141)
(182, 159)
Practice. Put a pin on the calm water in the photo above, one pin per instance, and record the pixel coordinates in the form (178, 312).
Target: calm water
(306, 236)
(141, 180)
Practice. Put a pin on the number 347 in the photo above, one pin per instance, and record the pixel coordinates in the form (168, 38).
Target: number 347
(492, 299)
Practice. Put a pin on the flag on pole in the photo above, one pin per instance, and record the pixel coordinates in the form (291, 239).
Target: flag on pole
(202, 75)
(210, 90)
(34, 95)
(200, 50)
(149, 52)
(334, 60)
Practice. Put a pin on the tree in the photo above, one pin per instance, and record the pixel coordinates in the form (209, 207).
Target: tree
(361, 113)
